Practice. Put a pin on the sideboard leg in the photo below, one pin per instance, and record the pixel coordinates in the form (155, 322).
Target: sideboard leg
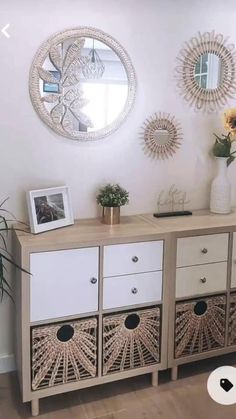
(35, 407)
(155, 379)
(174, 373)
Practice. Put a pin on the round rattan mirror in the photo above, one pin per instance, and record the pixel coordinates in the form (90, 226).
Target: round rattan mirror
(206, 71)
(82, 83)
(162, 135)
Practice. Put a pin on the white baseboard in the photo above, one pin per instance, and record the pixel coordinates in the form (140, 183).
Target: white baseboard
(7, 363)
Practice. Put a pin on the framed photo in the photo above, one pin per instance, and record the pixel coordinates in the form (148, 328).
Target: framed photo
(52, 87)
(49, 209)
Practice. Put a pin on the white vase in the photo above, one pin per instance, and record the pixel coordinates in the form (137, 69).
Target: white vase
(220, 201)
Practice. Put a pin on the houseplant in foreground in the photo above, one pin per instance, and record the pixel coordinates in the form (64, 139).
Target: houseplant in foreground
(5, 256)
(111, 198)
(220, 200)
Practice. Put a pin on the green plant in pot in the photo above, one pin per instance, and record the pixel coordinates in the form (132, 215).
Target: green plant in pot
(5, 256)
(111, 198)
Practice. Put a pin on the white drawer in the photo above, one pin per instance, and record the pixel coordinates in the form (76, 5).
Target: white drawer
(202, 249)
(121, 259)
(61, 284)
(132, 289)
(202, 279)
(233, 273)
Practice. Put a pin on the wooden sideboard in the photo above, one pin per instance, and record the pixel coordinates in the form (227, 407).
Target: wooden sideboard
(105, 303)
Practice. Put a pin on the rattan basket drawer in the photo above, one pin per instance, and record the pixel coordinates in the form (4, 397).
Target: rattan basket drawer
(63, 352)
(127, 290)
(202, 249)
(232, 320)
(131, 340)
(130, 258)
(200, 325)
(201, 279)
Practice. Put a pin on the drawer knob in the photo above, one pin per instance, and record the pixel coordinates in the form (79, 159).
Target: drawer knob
(93, 280)
(134, 290)
(204, 250)
(203, 280)
(135, 259)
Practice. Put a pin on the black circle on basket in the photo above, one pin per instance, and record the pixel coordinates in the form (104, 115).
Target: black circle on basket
(132, 321)
(200, 308)
(65, 333)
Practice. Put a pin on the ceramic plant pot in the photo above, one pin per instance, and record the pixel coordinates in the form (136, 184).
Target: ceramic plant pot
(220, 199)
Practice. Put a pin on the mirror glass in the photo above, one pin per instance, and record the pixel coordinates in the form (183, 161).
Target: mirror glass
(161, 136)
(208, 71)
(83, 85)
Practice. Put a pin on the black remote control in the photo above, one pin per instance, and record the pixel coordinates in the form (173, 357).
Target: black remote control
(171, 214)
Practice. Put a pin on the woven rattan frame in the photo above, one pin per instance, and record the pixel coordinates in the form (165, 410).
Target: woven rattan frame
(161, 121)
(34, 78)
(125, 349)
(197, 334)
(232, 320)
(206, 99)
(55, 362)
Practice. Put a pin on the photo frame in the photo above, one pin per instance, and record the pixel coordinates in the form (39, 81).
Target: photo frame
(49, 209)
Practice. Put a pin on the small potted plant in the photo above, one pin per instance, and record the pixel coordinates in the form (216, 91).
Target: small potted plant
(220, 200)
(111, 198)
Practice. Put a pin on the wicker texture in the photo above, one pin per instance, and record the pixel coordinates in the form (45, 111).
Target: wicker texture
(207, 100)
(154, 144)
(232, 320)
(196, 333)
(125, 348)
(58, 362)
(50, 48)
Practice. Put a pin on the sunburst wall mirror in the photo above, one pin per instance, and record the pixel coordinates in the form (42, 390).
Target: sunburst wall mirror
(206, 71)
(162, 135)
(82, 83)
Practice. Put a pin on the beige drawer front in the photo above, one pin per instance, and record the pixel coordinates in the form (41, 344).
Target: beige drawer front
(202, 249)
(202, 279)
(233, 273)
(132, 258)
(132, 289)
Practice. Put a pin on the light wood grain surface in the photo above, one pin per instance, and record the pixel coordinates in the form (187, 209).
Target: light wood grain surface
(199, 220)
(92, 231)
(186, 398)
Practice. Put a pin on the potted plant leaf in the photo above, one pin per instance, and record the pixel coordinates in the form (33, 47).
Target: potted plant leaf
(5, 256)
(111, 198)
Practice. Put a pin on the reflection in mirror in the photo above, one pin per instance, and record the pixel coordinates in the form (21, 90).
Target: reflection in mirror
(161, 136)
(208, 71)
(89, 85)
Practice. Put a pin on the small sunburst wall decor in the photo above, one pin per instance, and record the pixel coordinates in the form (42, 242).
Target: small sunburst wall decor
(206, 71)
(162, 135)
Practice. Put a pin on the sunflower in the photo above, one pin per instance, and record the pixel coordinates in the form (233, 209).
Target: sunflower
(230, 121)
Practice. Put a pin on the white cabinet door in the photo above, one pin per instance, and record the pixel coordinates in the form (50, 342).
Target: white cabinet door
(119, 291)
(233, 273)
(63, 283)
(130, 258)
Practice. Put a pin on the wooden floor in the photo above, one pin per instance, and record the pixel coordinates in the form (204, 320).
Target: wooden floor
(134, 398)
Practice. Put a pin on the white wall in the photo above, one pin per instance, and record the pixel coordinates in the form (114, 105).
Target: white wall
(32, 156)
